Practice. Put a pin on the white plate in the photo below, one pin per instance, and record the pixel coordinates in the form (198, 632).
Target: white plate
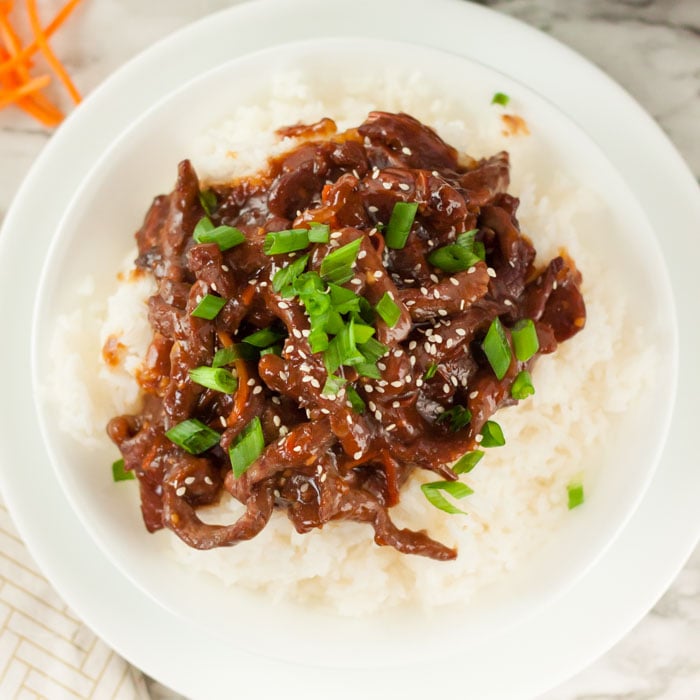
(542, 651)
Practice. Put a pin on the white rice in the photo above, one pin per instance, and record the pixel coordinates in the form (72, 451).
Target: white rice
(520, 489)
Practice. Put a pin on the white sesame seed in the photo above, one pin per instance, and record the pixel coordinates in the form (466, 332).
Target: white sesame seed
(357, 454)
(251, 381)
(461, 305)
(323, 478)
(223, 422)
(181, 491)
(455, 281)
(426, 346)
(277, 421)
(296, 333)
(356, 280)
(423, 291)
(315, 383)
(372, 406)
(306, 379)
(412, 360)
(296, 448)
(283, 305)
(406, 150)
(508, 302)
(442, 312)
(378, 415)
(306, 333)
(454, 380)
(378, 275)
(435, 173)
(382, 382)
(213, 287)
(262, 285)
(326, 412)
(380, 389)
(461, 332)
(403, 186)
(471, 270)
(276, 400)
(446, 388)
(362, 255)
(369, 389)
(381, 366)
(395, 404)
(189, 480)
(397, 384)
(437, 338)
(397, 353)
(336, 234)
(554, 285)
(436, 293)
(225, 268)
(372, 209)
(419, 382)
(258, 390)
(434, 277)
(473, 394)
(410, 302)
(449, 343)
(478, 438)
(208, 481)
(386, 185)
(490, 272)
(284, 430)
(198, 298)
(412, 345)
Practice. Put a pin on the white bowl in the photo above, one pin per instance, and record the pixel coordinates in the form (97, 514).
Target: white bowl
(96, 233)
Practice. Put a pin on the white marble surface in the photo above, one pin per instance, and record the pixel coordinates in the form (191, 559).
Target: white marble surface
(652, 47)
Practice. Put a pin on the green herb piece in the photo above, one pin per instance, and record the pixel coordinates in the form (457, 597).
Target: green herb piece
(466, 463)
(576, 495)
(193, 436)
(207, 198)
(522, 386)
(400, 222)
(343, 300)
(278, 242)
(492, 435)
(237, 351)
(318, 340)
(430, 372)
(215, 378)
(263, 338)
(458, 416)
(272, 350)
(209, 307)
(497, 349)
(363, 333)
(342, 350)
(319, 233)
(500, 98)
(456, 489)
(333, 385)
(525, 339)
(389, 310)
(373, 350)
(453, 258)
(337, 266)
(247, 447)
(368, 369)
(224, 236)
(119, 473)
(287, 275)
(468, 240)
(358, 405)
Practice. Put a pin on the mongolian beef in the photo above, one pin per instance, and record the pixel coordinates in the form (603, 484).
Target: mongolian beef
(357, 311)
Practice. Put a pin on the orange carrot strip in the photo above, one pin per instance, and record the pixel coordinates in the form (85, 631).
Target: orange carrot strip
(56, 65)
(32, 48)
(10, 96)
(242, 392)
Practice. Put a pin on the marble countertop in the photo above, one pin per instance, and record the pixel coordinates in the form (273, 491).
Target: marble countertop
(652, 48)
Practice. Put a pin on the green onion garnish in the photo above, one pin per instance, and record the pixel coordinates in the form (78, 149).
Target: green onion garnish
(400, 222)
(389, 310)
(287, 275)
(343, 300)
(342, 350)
(319, 233)
(500, 98)
(318, 340)
(209, 307)
(456, 489)
(119, 473)
(224, 236)
(453, 258)
(333, 385)
(522, 386)
(468, 240)
(215, 378)
(237, 351)
(497, 349)
(358, 405)
(278, 242)
(373, 350)
(576, 495)
(525, 339)
(272, 350)
(263, 338)
(465, 464)
(247, 447)
(458, 416)
(362, 332)
(492, 435)
(337, 266)
(368, 369)
(430, 372)
(193, 436)
(207, 198)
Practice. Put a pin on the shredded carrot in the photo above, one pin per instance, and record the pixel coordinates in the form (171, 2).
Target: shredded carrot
(49, 55)
(17, 85)
(241, 392)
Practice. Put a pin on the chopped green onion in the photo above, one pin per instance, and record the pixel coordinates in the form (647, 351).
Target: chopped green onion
(500, 98)
(288, 275)
(215, 378)
(209, 307)
(207, 198)
(119, 473)
(318, 340)
(497, 349)
(458, 416)
(308, 283)
(342, 350)
(456, 489)
(400, 222)
(468, 240)
(373, 350)
(337, 266)
(389, 310)
(316, 303)
(247, 447)
(522, 386)
(363, 333)
(278, 242)
(525, 339)
(237, 351)
(576, 495)
(224, 236)
(333, 385)
(343, 300)
(430, 372)
(193, 436)
(319, 233)
(368, 369)
(453, 258)
(263, 338)
(492, 435)
(272, 350)
(465, 464)
(358, 405)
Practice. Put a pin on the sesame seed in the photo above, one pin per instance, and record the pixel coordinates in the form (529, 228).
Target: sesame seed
(419, 382)
(305, 367)
(357, 454)
(306, 379)
(478, 438)
(410, 302)
(198, 298)
(315, 383)
(412, 345)
(302, 354)
(461, 332)
(208, 481)
(554, 285)
(262, 285)
(296, 448)
(398, 384)
(326, 412)
(490, 272)
(283, 305)
(403, 186)
(296, 333)
(276, 400)
(435, 173)
(304, 487)
(323, 478)
(284, 430)
(213, 287)
(372, 209)
(362, 255)
(473, 394)
(277, 421)
(369, 389)
(449, 343)
(412, 360)
(424, 291)
(426, 346)
(461, 305)
(386, 185)
(446, 388)
(471, 270)
(181, 491)
(258, 390)
(225, 268)
(434, 277)
(306, 333)
(380, 389)
(436, 293)
(378, 275)
(442, 312)
(508, 302)
(355, 280)
(222, 420)
(406, 150)
(381, 366)
(372, 406)
(395, 404)
(378, 415)
(437, 338)
(276, 493)
(251, 382)
(189, 480)
(336, 234)
(397, 353)
(455, 281)
(454, 380)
